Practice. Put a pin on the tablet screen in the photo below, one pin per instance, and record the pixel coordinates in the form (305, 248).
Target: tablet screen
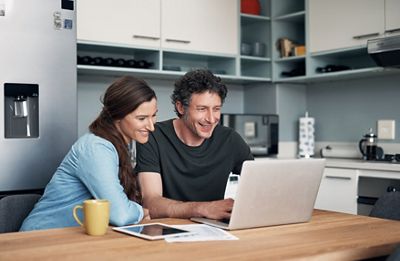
(151, 231)
(154, 230)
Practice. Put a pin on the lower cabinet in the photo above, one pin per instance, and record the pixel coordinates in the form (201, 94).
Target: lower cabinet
(338, 190)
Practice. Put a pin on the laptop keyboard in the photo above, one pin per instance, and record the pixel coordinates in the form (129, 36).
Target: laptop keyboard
(225, 220)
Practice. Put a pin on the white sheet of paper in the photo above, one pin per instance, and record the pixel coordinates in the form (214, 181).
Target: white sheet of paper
(202, 233)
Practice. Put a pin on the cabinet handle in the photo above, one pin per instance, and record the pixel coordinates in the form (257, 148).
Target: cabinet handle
(337, 177)
(365, 35)
(392, 30)
(145, 37)
(177, 41)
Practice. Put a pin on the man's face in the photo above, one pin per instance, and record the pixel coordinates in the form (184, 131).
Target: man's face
(203, 114)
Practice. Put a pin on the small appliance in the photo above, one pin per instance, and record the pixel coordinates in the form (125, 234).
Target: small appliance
(260, 131)
(369, 146)
(385, 51)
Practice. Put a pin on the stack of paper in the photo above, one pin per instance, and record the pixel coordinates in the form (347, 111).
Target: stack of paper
(201, 233)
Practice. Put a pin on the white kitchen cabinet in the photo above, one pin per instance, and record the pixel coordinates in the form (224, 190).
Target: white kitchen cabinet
(132, 22)
(179, 35)
(338, 190)
(392, 17)
(200, 26)
(344, 23)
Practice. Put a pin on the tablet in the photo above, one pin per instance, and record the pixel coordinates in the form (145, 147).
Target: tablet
(152, 231)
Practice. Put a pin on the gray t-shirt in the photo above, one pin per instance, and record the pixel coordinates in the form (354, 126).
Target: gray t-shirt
(192, 173)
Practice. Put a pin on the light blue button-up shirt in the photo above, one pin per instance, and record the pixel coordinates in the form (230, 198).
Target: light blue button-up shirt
(89, 170)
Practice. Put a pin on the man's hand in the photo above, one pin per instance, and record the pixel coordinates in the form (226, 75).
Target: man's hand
(219, 209)
(161, 207)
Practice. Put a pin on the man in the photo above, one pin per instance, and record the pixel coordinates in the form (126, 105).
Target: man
(184, 167)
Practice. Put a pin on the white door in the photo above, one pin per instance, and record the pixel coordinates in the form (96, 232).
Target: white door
(392, 16)
(132, 22)
(201, 26)
(344, 23)
(338, 190)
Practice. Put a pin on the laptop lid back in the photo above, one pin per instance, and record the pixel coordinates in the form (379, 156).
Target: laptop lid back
(275, 192)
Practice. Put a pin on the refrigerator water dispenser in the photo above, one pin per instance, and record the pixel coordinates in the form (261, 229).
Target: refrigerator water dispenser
(21, 110)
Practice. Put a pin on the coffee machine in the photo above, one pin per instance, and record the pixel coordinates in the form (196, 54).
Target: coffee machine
(259, 131)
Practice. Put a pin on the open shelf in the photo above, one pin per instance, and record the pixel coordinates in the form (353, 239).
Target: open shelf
(255, 49)
(282, 8)
(255, 68)
(249, 18)
(107, 55)
(177, 61)
(159, 74)
(297, 67)
(164, 64)
(253, 32)
(288, 23)
(292, 17)
(354, 59)
(290, 58)
(342, 75)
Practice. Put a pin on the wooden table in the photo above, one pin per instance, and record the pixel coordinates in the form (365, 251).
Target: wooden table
(329, 236)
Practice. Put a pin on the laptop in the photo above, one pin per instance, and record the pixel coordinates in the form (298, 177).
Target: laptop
(273, 192)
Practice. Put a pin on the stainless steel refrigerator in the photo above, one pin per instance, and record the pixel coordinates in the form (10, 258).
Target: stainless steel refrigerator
(38, 95)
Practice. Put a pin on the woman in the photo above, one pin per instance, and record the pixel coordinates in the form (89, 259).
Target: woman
(99, 164)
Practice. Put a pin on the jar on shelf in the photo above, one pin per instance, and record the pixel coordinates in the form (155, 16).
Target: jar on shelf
(250, 7)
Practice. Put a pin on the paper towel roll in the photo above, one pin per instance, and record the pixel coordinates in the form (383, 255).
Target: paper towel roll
(306, 136)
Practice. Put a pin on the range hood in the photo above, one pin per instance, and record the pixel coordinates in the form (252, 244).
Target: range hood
(385, 51)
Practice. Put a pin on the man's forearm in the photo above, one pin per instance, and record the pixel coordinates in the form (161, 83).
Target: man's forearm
(161, 207)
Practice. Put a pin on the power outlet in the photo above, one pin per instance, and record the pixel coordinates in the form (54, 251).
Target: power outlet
(386, 129)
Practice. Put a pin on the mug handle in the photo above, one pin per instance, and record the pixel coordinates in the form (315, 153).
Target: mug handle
(75, 215)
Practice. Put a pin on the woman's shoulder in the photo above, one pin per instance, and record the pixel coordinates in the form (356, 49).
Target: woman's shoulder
(92, 142)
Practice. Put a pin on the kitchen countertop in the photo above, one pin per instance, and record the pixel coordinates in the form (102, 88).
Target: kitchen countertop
(361, 164)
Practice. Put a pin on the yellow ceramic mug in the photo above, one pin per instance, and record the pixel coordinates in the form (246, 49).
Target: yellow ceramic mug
(96, 214)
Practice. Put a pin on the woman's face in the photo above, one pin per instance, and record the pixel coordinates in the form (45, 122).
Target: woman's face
(138, 124)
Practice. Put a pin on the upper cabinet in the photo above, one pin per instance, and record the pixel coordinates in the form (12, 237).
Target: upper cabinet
(201, 26)
(280, 41)
(338, 32)
(392, 17)
(157, 37)
(344, 23)
(132, 22)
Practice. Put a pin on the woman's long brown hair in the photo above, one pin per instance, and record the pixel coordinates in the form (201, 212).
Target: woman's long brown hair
(121, 98)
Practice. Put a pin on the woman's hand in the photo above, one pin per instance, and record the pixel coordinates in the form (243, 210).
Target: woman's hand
(146, 214)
